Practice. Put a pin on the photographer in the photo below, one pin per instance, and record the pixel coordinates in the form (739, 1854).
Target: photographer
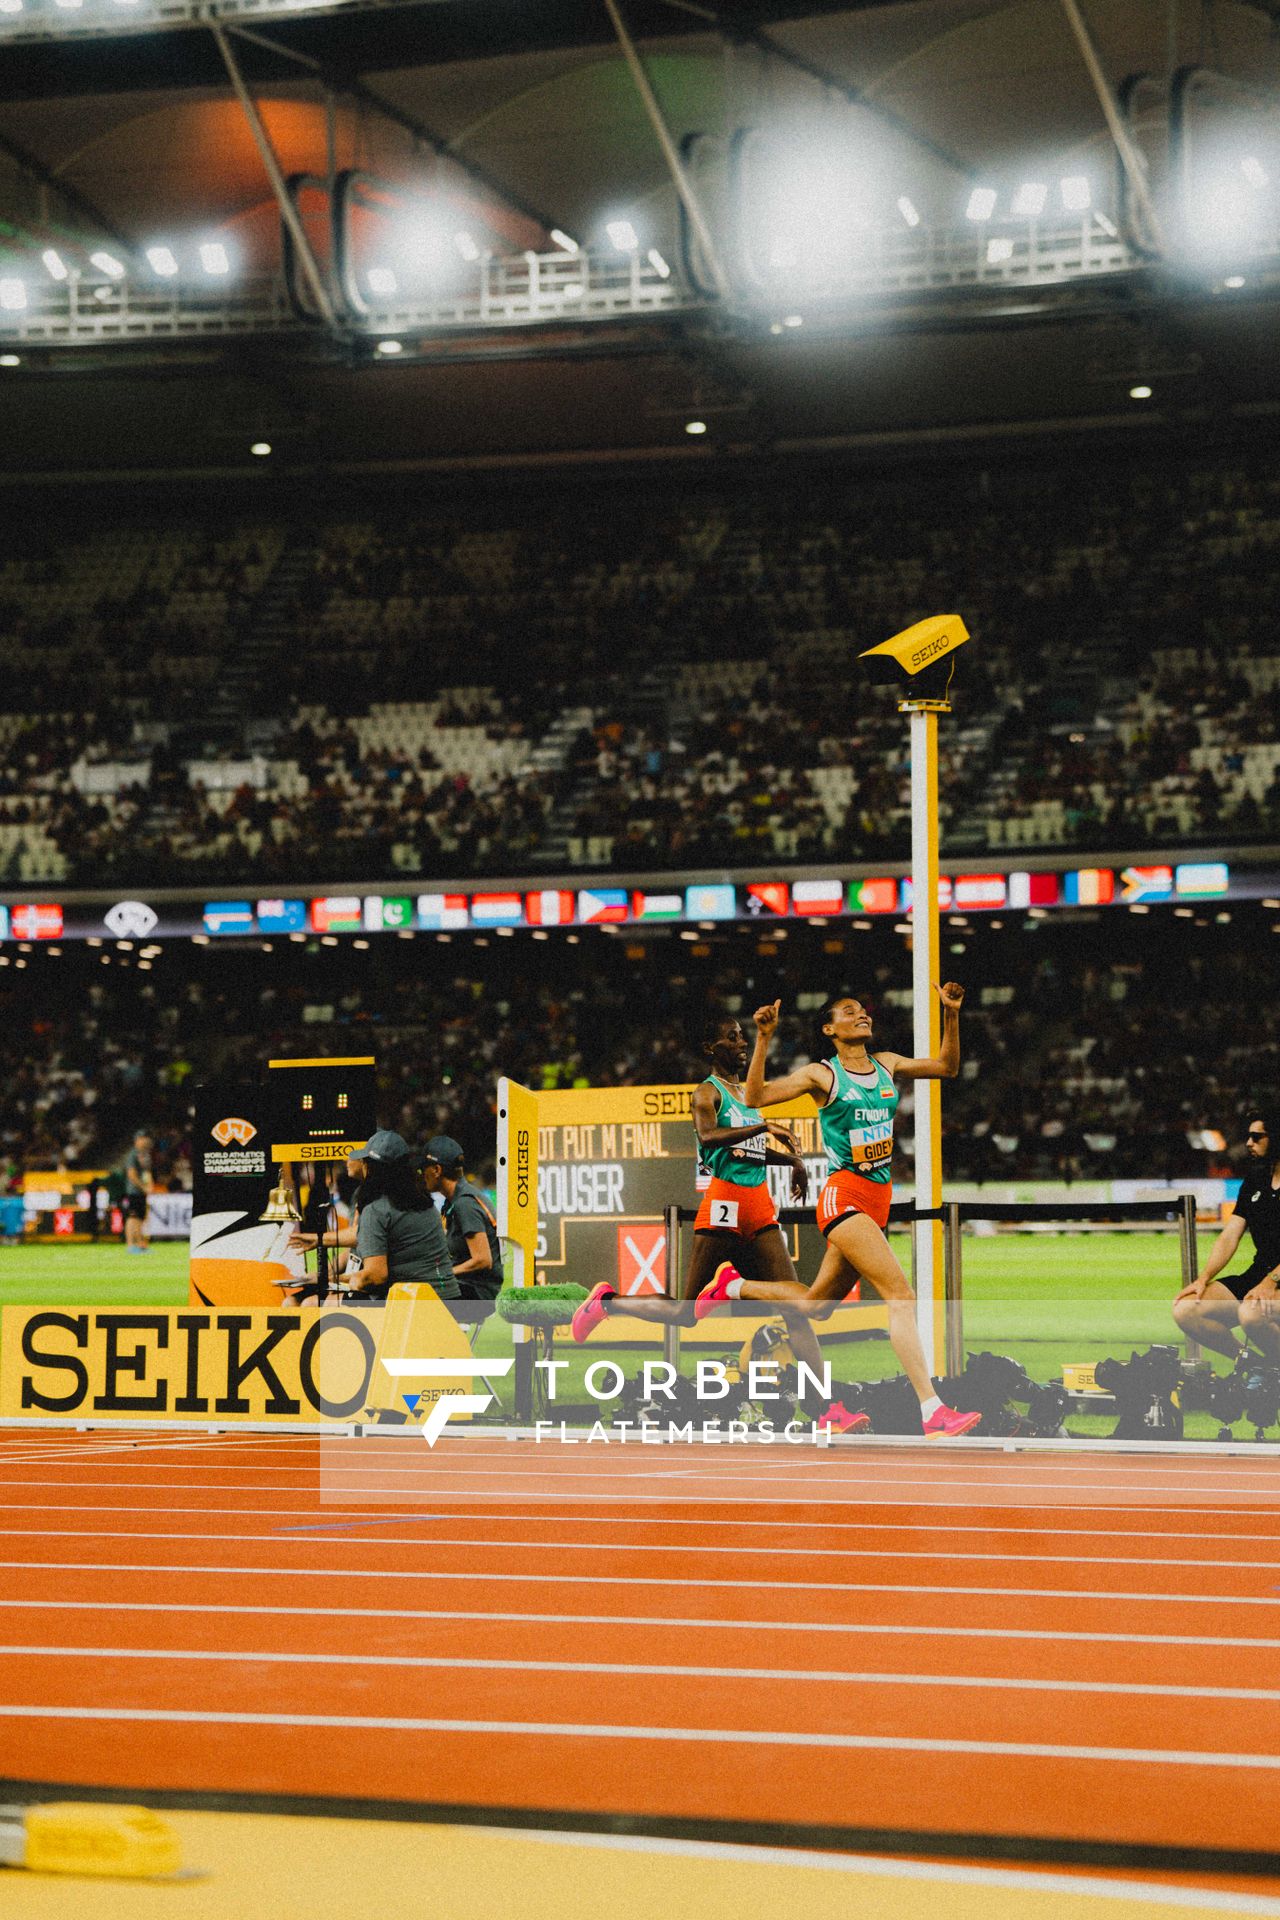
(400, 1236)
(1212, 1307)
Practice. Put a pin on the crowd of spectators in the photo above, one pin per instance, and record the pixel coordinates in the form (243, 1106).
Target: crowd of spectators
(1089, 1051)
(618, 680)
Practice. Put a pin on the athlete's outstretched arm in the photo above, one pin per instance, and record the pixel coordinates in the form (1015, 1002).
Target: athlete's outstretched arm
(760, 1092)
(945, 1064)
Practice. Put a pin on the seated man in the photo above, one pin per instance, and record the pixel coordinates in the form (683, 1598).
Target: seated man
(1211, 1308)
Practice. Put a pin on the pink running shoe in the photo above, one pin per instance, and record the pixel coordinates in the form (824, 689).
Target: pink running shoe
(713, 1295)
(838, 1419)
(591, 1312)
(946, 1424)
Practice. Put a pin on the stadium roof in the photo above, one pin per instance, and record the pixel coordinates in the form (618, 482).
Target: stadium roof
(529, 117)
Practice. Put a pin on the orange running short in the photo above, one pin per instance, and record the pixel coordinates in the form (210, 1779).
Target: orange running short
(846, 1193)
(727, 1208)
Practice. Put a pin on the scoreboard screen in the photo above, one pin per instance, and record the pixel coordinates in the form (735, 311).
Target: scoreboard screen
(319, 1110)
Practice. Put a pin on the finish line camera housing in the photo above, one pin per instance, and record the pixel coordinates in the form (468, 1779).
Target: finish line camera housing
(925, 653)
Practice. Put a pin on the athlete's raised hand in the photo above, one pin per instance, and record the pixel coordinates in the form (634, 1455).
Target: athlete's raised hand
(766, 1019)
(951, 995)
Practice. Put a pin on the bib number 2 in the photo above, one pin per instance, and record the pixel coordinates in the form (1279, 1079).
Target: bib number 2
(724, 1213)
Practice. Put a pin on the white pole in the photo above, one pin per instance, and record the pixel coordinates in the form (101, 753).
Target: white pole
(927, 1244)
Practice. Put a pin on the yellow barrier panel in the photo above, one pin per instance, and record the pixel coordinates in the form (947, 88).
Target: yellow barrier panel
(223, 1367)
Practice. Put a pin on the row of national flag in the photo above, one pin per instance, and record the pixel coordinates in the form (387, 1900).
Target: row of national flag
(707, 902)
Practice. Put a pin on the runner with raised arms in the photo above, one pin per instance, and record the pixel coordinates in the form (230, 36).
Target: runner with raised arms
(857, 1097)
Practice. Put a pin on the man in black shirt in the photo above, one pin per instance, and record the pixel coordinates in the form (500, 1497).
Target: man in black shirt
(1211, 1308)
(474, 1246)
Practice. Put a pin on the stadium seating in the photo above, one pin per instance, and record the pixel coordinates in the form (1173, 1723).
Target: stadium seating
(563, 681)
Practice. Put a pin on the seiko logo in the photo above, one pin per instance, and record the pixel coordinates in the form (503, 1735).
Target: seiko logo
(241, 1131)
(930, 651)
(522, 1167)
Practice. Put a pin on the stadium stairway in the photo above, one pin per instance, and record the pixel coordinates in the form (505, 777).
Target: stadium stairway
(268, 633)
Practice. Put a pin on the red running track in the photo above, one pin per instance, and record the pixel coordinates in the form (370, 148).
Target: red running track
(1062, 1649)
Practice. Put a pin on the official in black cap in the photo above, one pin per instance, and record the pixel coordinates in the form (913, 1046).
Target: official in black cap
(399, 1236)
(474, 1246)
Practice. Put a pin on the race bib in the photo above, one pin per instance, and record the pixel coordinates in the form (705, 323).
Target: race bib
(871, 1146)
(724, 1213)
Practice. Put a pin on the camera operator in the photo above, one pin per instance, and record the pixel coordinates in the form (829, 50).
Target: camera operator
(1213, 1307)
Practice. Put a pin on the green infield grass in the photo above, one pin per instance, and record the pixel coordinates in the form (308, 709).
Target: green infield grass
(1046, 1300)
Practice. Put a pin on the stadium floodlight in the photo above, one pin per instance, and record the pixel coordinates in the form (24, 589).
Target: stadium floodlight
(388, 348)
(13, 295)
(260, 449)
(565, 241)
(695, 426)
(54, 264)
(982, 204)
(107, 263)
(1139, 393)
(214, 257)
(1235, 281)
(70, 6)
(382, 280)
(466, 245)
(1254, 172)
(793, 320)
(162, 261)
(10, 359)
(10, 6)
(1028, 201)
(623, 236)
(1077, 194)
(999, 251)
(658, 264)
(907, 208)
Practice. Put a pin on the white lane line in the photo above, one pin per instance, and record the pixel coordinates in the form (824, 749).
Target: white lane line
(729, 1736)
(343, 1499)
(1116, 1689)
(153, 1510)
(886, 1479)
(430, 1542)
(101, 1567)
(1153, 1893)
(199, 1608)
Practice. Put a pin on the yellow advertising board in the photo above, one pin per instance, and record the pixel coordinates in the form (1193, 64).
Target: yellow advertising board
(229, 1365)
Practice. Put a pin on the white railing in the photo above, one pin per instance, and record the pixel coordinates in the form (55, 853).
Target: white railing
(531, 290)
(84, 19)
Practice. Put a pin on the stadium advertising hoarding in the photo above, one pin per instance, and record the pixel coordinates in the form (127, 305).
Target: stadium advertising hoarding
(248, 1366)
(763, 901)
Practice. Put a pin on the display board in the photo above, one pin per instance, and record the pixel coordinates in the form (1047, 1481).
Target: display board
(612, 1159)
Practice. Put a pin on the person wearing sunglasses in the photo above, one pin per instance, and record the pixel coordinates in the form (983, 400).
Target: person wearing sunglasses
(1216, 1308)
